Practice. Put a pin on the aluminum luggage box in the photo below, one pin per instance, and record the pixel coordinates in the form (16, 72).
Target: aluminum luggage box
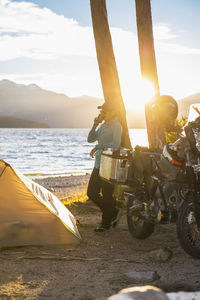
(114, 165)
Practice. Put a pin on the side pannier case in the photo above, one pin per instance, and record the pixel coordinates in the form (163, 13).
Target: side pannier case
(115, 165)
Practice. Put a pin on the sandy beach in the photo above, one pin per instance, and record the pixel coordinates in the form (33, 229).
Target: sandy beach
(65, 187)
(98, 266)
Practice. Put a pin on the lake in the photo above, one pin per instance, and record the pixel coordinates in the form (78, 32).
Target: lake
(51, 152)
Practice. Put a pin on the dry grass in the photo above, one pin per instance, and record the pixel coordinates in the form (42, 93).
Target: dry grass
(80, 197)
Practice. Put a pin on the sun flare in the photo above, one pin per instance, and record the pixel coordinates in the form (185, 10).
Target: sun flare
(141, 93)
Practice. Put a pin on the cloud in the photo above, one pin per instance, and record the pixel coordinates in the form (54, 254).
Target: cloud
(57, 53)
(29, 31)
(27, 17)
(176, 49)
(162, 32)
(163, 41)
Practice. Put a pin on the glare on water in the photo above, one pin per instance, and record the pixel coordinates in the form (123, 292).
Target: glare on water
(53, 151)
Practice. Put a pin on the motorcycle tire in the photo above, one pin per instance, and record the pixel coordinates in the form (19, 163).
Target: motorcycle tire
(187, 231)
(139, 228)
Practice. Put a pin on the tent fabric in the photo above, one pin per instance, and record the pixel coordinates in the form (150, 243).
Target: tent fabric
(30, 214)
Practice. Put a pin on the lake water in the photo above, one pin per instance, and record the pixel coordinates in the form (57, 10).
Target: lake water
(50, 152)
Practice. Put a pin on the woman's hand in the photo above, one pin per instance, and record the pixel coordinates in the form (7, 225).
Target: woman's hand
(99, 119)
(93, 152)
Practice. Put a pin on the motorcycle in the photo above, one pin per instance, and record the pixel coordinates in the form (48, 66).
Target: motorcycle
(161, 188)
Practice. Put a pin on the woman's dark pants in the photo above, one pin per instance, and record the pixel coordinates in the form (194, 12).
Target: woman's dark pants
(100, 192)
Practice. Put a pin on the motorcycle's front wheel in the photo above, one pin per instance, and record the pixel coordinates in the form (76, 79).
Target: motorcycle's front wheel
(138, 227)
(187, 230)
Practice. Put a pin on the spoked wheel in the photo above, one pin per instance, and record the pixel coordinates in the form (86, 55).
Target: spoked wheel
(138, 227)
(187, 230)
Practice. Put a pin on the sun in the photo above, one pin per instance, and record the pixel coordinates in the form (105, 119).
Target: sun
(139, 95)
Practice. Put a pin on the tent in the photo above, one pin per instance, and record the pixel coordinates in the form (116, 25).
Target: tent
(30, 214)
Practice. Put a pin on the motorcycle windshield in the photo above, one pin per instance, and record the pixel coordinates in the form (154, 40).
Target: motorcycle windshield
(194, 112)
(194, 120)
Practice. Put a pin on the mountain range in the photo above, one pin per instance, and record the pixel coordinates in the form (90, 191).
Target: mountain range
(32, 106)
(30, 102)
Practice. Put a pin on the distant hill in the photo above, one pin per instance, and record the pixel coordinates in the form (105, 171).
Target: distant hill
(30, 102)
(47, 108)
(13, 122)
(57, 110)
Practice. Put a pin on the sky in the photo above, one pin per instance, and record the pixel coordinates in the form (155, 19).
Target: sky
(50, 43)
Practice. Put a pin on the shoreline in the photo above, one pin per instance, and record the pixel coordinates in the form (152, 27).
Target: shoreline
(65, 187)
(39, 175)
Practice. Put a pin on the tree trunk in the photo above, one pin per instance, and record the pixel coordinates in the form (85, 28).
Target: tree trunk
(148, 64)
(107, 65)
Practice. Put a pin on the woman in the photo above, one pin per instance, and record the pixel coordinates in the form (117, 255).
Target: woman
(107, 135)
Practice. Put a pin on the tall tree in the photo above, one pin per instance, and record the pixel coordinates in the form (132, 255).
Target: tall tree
(146, 42)
(148, 65)
(107, 64)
